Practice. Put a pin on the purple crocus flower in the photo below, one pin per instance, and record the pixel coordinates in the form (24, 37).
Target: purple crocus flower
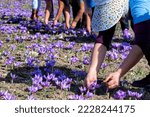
(50, 63)
(1, 93)
(104, 65)
(86, 60)
(58, 72)
(71, 45)
(72, 31)
(86, 47)
(68, 80)
(73, 97)
(13, 47)
(82, 89)
(59, 44)
(52, 56)
(9, 61)
(62, 77)
(17, 64)
(30, 61)
(42, 50)
(85, 33)
(112, 55)
(13, 76)
(89, 94)
(135, 94)
(6, 53)
(33, 89)
(50, 77)
(1, 43)
(123, 56)
(93, 86)
(65, 85)
(74, 59)
(57, 82)
(45, 84)
(127, 34)
(120, 94)
(18, 39)
(37, 79)
(36, 71)
(1, 76)
(7, 96)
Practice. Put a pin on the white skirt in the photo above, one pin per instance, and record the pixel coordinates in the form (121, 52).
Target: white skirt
(107, 15)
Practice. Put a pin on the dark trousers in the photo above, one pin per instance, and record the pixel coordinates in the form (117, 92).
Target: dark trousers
(75, 9)
(52, 11)
(105, 37)
(142, 37)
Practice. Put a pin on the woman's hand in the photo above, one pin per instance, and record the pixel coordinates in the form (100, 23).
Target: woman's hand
(112, 81)
(90, 78)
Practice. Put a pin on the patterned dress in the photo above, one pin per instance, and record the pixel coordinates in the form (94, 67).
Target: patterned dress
(106, 15)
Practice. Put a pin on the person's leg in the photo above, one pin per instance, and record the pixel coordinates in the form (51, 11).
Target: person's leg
(88, 22)
(102, 44)
(59, 12)
(39, 5)
(34, 9)
(67, 16)
(75, 10)
(52, 11)
(124, 23)
(142, 36)
(47, 11)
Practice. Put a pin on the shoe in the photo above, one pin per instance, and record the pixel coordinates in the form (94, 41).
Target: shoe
(143, 82)
(127, 34)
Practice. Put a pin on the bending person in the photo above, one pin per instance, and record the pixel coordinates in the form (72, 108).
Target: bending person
(140, 12)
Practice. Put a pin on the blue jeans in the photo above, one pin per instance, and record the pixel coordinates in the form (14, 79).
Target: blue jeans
(36, 4)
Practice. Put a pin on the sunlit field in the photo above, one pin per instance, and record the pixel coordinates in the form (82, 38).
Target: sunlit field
(38, 61)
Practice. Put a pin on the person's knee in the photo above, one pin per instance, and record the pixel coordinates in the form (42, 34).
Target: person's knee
(100, 40)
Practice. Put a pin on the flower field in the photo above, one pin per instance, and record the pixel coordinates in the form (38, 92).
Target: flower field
(38, 61)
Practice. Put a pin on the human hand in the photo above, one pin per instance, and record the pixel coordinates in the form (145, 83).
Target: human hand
(55, 22)
(90, 78)
(67, 26)
(112, 81)
(74, 24)
(88, 29)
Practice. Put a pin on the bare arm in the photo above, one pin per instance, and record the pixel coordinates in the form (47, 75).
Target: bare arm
(60, 9)
(97, 59)
(67, 16)
(88, 22)
(133, 58)
(79, 15)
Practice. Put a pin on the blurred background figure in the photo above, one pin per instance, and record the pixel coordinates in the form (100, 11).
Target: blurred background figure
(49, 10)
(35, 8)
(89, 8)
(78, 9)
